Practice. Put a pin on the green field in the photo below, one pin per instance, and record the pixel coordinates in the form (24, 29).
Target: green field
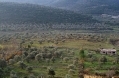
(79, 44)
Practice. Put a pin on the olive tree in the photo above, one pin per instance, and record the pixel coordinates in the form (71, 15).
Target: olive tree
(66, 59)
(48, 61)
(11, 61)
(51, 72)
(82, 55)
(52, 59)
(32, 76)
(75, 62)
(41, 76)
(116, 60)
(38, 57)
(29, 69)
(103, 59)
(71, 66)
(17, 58)
(68, 76)
(71, 71)
(22, 65)
(1, 73)
(13, 74)
(31, 55)
(3, 63)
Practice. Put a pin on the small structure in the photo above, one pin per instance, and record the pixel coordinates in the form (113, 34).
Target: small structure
(108, 51)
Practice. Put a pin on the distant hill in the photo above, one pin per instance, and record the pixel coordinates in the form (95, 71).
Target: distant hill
(30, 13)
(41, 2)
(90, 6)
(81, 6)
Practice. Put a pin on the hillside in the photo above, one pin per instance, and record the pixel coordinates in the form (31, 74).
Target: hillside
(81, 6)
(90, 6)
(41, 2)
(23, 17)
(29, 13)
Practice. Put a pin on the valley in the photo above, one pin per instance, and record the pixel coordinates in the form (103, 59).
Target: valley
(59, 39)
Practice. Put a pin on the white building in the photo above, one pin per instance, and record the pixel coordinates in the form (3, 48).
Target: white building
(108, 51)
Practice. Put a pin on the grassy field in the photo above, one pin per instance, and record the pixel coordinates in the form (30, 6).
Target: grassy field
(79, 44)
